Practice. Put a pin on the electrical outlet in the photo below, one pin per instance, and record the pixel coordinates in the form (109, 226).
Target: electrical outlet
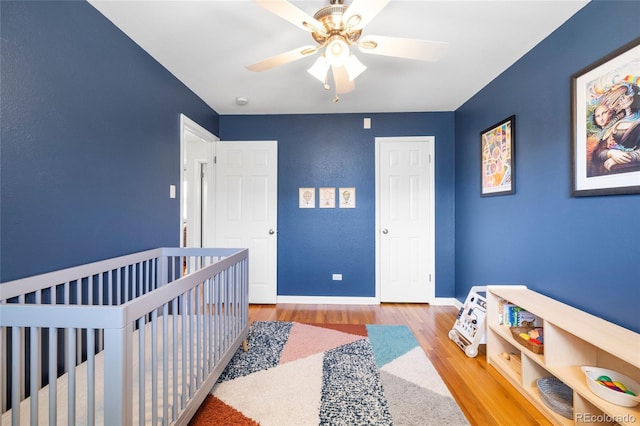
(336, 277)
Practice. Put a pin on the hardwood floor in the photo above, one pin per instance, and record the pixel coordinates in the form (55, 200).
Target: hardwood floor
(483, 395)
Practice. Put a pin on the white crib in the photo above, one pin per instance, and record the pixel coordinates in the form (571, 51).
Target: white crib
(138, 339)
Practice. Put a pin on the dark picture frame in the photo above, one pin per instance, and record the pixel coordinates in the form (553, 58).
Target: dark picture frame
(497, 158)
(605, 125)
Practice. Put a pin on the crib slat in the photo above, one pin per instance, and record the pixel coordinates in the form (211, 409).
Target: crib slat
(165, 363)
(183, 347)
(174, 348)
(118, 379)
(126, 283)
(71, 371)
(16, 374)
(141, 369)
(189, 339)
(118, 288)
(100, 288)
(91, 377)
(34, 361)
(3, 370)
(90, 283)
(109, 288)
(140, 283)
(154, 367)
(53, 370)
(154, 274)
(198, 332)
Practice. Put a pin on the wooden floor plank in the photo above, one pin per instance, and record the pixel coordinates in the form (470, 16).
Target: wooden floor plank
(484, 396)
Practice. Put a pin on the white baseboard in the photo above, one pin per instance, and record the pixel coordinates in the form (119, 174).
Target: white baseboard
(337, 300)
(446, 301)
(328, 300)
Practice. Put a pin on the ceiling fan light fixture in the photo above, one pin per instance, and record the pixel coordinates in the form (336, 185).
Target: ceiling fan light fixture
(337, 50)
(354, 67)
(319, 69)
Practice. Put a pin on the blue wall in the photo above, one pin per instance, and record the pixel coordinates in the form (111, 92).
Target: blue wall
(90, 144)
(90, 140)
(334, 150)
(583, 251)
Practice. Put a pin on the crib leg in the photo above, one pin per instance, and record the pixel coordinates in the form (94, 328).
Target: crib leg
(245, 345)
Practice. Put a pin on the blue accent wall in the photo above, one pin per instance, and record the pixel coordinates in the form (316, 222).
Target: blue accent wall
(334, 150)
(90, 140)
(582, 251)
(90, 144)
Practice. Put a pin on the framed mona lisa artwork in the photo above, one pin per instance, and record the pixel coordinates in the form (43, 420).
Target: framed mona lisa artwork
(605, 113)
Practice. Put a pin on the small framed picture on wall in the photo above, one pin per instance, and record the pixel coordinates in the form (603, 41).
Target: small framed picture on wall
(307, 198)
(347, 198)
(327, 198)
(497, 158)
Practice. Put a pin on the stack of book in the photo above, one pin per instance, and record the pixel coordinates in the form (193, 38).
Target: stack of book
(514, 316)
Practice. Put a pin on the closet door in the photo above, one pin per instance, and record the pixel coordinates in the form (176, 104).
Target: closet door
(405, 219)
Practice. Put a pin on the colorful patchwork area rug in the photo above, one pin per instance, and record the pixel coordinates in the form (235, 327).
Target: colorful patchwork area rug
(328, 374)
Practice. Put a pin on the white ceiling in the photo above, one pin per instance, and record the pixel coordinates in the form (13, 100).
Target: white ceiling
(207, 44)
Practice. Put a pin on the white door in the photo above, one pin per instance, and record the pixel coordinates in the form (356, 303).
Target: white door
(246, 209)
(405, 219)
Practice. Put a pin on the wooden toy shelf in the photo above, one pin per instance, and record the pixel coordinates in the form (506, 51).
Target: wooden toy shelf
(572, 338)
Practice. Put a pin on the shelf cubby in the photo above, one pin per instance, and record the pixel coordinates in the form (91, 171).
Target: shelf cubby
(572, 338)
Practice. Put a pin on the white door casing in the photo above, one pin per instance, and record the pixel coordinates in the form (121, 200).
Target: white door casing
(405, 210)
(246, 209)
(197, 149)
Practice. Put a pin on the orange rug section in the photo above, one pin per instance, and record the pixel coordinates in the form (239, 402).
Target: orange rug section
(215, 412)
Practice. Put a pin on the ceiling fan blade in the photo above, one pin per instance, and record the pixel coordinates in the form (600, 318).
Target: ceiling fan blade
(283, 58)
(365, 9)
(422, 50)
(291, 13)
(341, 80)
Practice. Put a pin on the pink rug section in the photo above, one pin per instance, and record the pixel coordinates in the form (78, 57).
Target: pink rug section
(305, 340)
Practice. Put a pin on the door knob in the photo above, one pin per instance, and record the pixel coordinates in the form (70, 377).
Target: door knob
(385, 231)
(271, 231)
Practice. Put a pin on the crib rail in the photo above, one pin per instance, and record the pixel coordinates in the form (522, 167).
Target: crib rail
(146, 336)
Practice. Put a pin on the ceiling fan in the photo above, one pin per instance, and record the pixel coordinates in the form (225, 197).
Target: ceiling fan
(335, 28)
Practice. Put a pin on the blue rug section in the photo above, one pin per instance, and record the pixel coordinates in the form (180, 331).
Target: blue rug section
(390, 341)
(266, 340)
(352, 392)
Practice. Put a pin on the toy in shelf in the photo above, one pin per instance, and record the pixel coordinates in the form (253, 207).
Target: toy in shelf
(612, 386)
(530, 338)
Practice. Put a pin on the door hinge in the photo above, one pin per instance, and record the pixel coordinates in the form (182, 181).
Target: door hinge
(429, 277)
(215, 159)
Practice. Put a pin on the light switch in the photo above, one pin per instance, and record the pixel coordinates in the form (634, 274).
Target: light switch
(367, 123)
(172, 191)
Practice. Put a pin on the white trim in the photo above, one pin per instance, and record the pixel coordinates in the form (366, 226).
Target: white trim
(431, 143)
(328, 300)
(339, 300)
(187, 124)
(446, 301)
